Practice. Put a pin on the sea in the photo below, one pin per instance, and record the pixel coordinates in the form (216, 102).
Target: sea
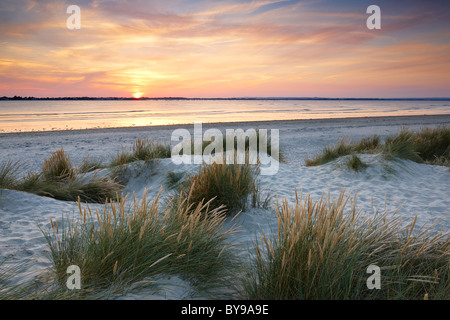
(48, 115)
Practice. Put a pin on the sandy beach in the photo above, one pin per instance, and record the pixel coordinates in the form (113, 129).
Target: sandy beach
(415, 188)
(233, 153)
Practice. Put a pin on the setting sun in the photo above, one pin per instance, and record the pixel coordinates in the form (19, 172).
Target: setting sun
(137, 95)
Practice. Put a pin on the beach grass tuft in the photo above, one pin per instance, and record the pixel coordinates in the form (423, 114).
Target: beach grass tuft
(431, 145)
(230, 184)
(173, 179)
(400, 146)
(142, 149)
(8, 174)
(330, 153)
(322, 250)
(8, 291)
(203, 254)
(91, 189)
(261, 138)
(145, 149)
(88, 164)
(58, 167)
(426, 145)
(368, 144)
(121, 244)
(60, 180)
(355, 163)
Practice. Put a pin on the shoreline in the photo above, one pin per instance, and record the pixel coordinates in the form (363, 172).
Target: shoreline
(299, 139)
(234, 123)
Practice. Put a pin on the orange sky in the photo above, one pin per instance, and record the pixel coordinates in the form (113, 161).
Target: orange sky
(224, 49)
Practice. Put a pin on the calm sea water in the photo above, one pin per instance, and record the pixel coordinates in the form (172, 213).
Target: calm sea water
(16, 116)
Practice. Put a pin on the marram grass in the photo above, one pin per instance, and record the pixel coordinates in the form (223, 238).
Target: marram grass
(355, 163)
(57, 167)
(119, 246)
(229, 184)
(259, 137)
(144, 150)
(88, 164)
(59, 179)
(141, 150)
(330, 153)
(39, 287)
(322, 250)
(8, 174)
(429, 145)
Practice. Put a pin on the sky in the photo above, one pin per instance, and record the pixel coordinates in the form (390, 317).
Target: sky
(237, 48)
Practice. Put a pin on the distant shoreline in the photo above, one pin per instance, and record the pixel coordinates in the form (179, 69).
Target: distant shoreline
(19, 98)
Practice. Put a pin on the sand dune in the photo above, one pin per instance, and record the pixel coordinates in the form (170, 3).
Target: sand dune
(417, 188)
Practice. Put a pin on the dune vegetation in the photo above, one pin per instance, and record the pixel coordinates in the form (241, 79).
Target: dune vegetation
(426, 145)
(8, 174)
(141, 150)
(322, 250)
(59, 179)
(230, 184)
(122, 245)
(260, 138)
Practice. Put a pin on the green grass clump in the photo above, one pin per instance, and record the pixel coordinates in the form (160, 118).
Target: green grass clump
(88, 164)
(258, 136)
(122, 158)
(60, 180)
(120, 246)
(42, 286)
(432, 143)
(93, 189)
(223, 184)
(330, 153)
(147, 150)
(322, 252)
(367, 144)
(429, 145)
(57, 167)
(8, 291)
(31, 181)
(142, 149)
(400, 146)
(173, 179)
(355, 163)
(8, 174)
(203, 255)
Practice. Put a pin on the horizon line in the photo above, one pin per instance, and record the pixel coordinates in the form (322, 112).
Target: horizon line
(213, 98)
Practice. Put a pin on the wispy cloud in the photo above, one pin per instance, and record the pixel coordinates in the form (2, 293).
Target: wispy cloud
(206, 47)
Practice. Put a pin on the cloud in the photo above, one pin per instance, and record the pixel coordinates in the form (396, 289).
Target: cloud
(192, 46)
